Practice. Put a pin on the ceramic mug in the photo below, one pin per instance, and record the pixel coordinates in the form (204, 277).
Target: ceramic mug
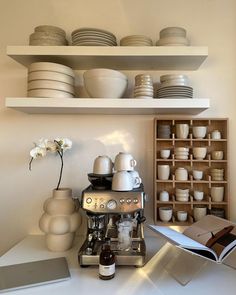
(217, 193)
(136, 179)
(217, 155)
(182, 215)
(215, 134)
(164, 196)
(163, 172)
(165, 213)
(198, 195)
(102, 165)
(199, 131)
(164, 154)
(197, 174)
(122, 181)
(199, 212)
(124, 161)
(182, 130)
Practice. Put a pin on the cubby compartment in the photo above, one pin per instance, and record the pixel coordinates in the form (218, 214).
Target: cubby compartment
(206, 163)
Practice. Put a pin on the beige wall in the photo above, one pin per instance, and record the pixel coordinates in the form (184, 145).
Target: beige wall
(208, 22)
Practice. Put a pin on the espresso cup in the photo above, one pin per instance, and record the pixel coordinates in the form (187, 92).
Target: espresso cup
(165, 213)
(124, 162)
(122, 181)
(182, 130)
(163, 172)
(136, 179)
(199, 212)
(217, 193)
(102, 165)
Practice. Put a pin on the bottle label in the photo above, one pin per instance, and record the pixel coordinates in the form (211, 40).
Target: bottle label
(106, 270)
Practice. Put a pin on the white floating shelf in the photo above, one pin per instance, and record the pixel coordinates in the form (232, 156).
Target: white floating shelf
(117, 57)
(123, 106)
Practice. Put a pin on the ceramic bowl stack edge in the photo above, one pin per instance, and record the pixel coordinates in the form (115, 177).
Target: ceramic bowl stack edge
(46, 35)
(50, 80)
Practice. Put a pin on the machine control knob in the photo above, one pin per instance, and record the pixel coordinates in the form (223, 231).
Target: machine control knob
(88, 200)
(122, 201)
(111, 205)
(128, 201)
(135, 201)
(102, 206)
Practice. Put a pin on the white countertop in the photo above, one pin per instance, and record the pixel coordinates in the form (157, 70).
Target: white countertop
(150, 279)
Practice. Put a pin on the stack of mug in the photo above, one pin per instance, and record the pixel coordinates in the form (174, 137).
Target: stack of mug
(164, 131)
(125, 177)
(143, 86)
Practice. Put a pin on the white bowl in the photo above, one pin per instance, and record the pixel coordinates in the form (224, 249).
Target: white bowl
(197, 174)
(105, 83)
(49, 93)
(49, 75)
(48, 84)
(199, 131)
(173, 31)
(50, 66)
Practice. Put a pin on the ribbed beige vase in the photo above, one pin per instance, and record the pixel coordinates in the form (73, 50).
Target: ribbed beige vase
(60, 220)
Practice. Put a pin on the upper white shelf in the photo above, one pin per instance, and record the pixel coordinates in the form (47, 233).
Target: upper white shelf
(117, 57)
(107, 106)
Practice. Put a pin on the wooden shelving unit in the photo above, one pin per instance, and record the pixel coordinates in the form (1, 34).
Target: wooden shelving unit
(190, 164)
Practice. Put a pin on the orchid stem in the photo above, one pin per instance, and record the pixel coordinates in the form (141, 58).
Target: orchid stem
(30, 163)
(62, 164)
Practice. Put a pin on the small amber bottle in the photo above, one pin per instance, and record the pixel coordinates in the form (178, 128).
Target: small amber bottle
(106, 262)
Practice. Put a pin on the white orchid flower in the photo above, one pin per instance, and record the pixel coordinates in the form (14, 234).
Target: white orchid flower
(48, 145)
(64, 143)
(38, 152)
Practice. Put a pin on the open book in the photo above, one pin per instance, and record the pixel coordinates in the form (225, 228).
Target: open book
(211, 237)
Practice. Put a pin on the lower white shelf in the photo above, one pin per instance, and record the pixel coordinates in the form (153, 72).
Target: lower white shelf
(120, 106)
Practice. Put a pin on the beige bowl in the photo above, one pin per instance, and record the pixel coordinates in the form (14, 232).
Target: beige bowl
(217, 155)
(199, 153)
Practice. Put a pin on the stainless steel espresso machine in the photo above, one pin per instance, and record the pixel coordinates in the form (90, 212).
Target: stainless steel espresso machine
(118, 216)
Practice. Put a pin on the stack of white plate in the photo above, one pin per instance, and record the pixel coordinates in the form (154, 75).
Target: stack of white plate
(143, 86)
(47, 79)
(181, 153)
(173, 36)
(93, 37)
(48, 35)
(136, 40)
(173, 86)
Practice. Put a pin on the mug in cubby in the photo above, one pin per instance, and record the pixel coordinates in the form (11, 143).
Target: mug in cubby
(198, 195)
(163, 172)
(216, 134)
(165, 153)
(217, 174)
(199, 153)
(165, 213)
(199, 211)
(182, 215)
(217, 193)
(182, 195)
(182, 130)
(217, 155)
(164, 196)
(197, 174)
(181, 174)
(199, 132)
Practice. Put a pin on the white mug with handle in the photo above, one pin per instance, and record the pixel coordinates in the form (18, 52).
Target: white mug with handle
(136, 179)
(124, 162)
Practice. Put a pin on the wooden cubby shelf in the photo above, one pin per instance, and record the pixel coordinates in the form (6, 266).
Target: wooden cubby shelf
(206, 165)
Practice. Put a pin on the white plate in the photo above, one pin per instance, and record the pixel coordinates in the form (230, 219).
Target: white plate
(91, 44)
(50, 66)
(93, 34)
(48, 84)
(90, 38)
(48, 75)
(49, 93)
(143, 97)
(93, 30)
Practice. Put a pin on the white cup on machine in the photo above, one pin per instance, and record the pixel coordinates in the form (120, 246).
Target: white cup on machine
(124, 161)
(102, 165)
(122, 181)
(136, 179)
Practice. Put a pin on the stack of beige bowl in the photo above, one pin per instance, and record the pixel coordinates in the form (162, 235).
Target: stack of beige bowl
(49, 36)
(93, 37)
(143, 86)
(136, 40)
(181, 153)
(173, 36)
(47, 79)
(174, 85)
(217, 174)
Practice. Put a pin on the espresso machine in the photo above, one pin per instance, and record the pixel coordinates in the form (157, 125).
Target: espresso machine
(117, 215)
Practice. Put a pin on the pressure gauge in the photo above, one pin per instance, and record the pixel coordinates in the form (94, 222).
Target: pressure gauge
(111, 205)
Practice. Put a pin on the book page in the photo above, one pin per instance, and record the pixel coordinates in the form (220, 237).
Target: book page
(216, 233)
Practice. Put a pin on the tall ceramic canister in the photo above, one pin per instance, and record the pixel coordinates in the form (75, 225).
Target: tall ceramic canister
(60, 220)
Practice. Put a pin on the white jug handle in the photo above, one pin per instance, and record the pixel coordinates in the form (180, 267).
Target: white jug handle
(133, 163)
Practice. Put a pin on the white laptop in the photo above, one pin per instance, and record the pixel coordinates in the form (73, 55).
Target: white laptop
(13, 277)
